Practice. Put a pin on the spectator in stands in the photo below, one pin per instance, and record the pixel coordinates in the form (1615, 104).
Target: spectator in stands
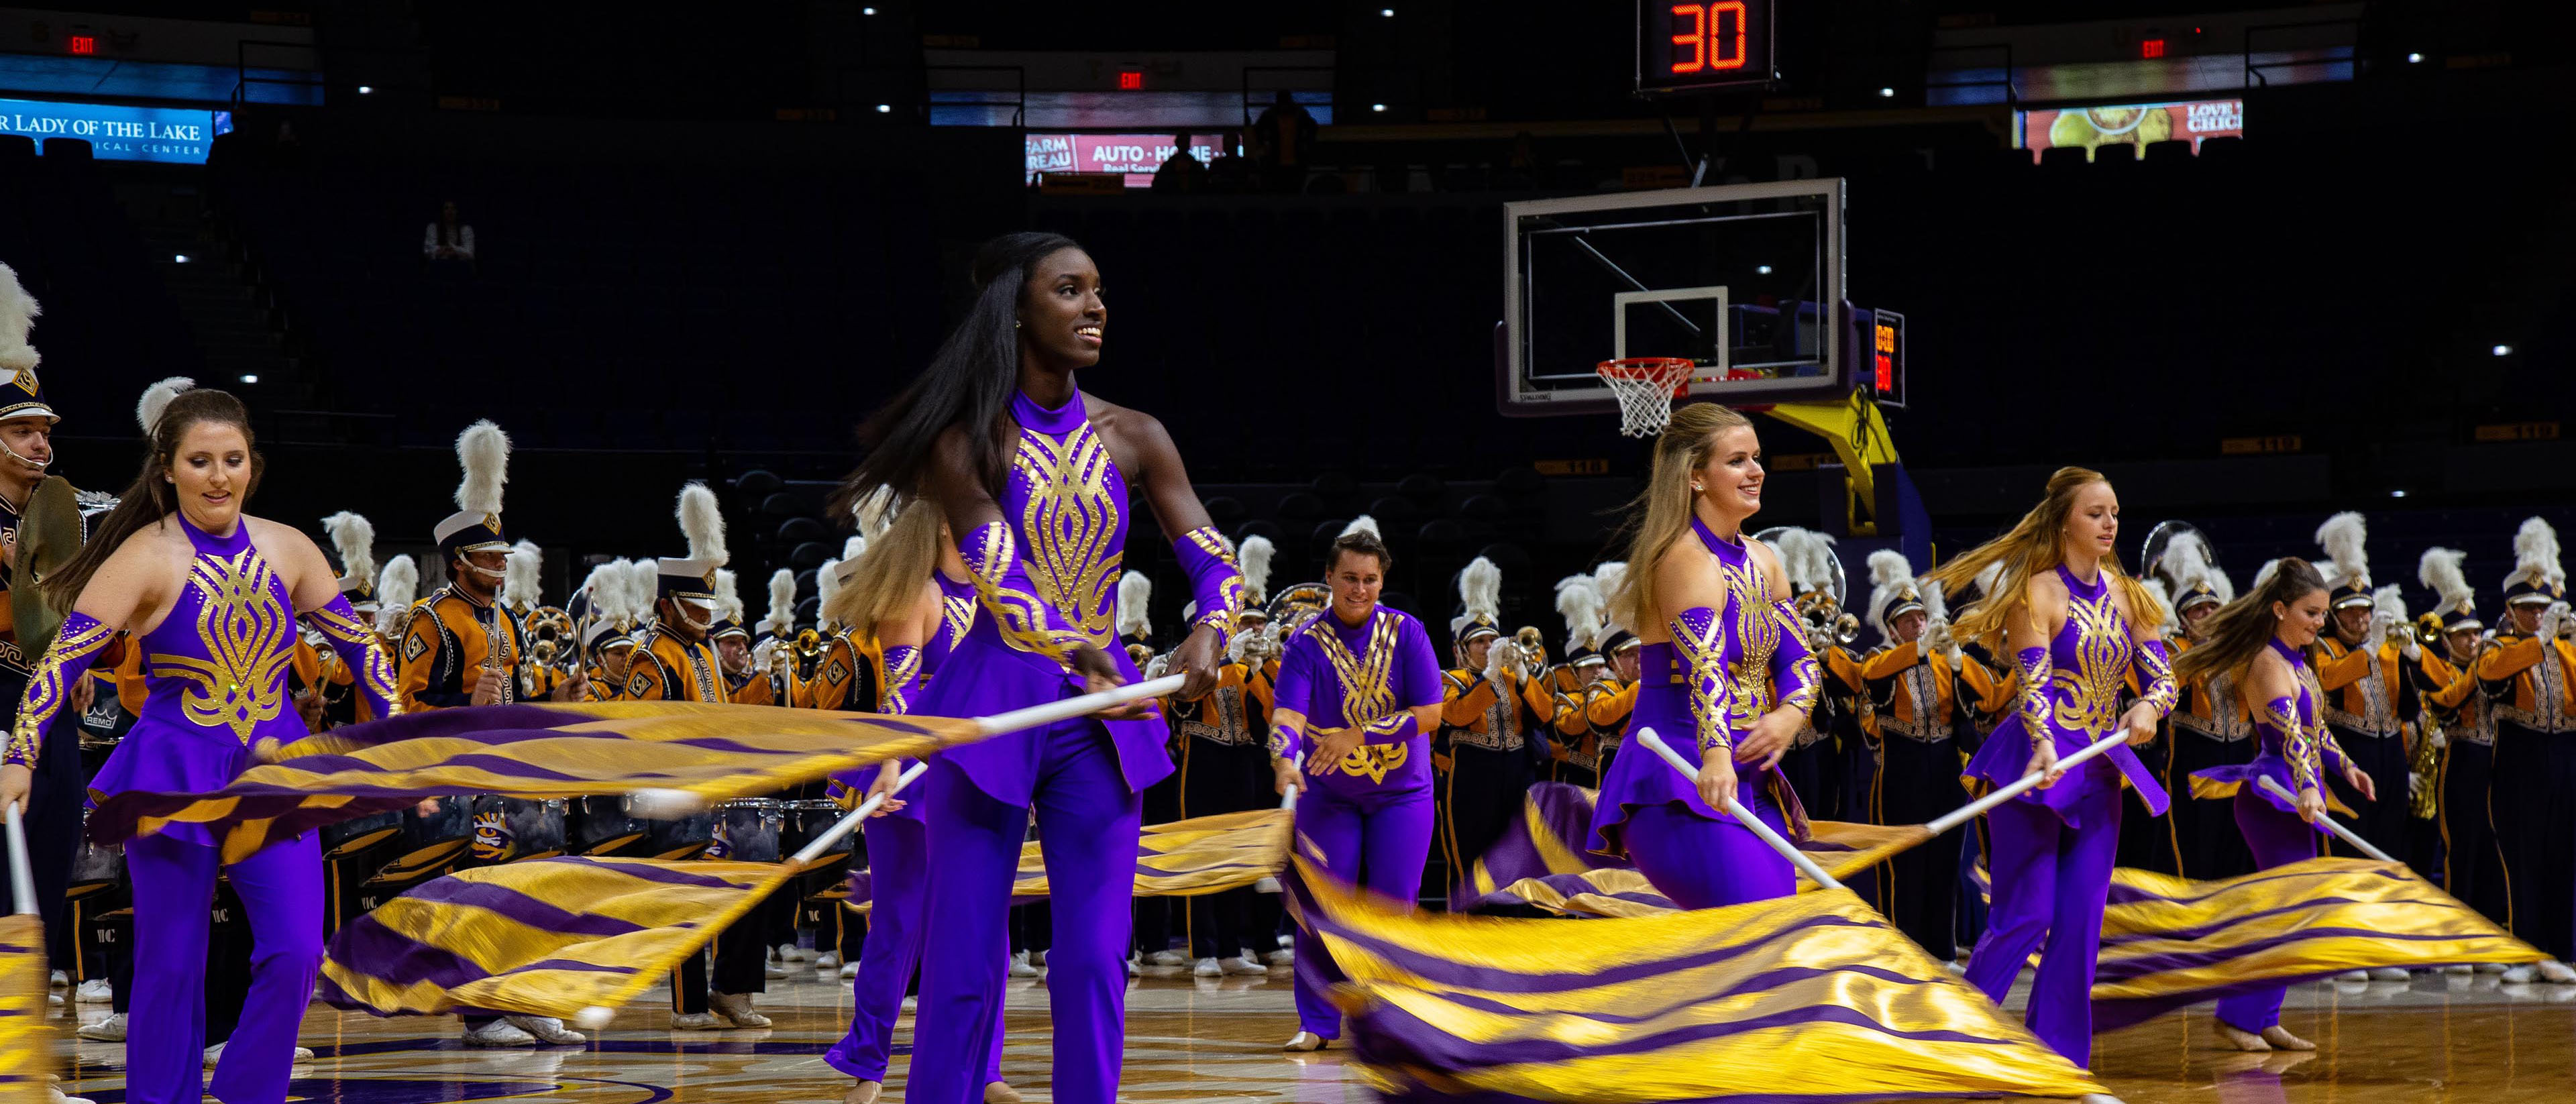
(1181, 172)
(1286, 134)
(1231, 171)
(448, 240)
(1520, 170)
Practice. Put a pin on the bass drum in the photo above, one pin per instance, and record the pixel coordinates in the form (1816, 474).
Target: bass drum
(807, 820)
(351, 837)
(428, 844)
(510, 829)
(683, 838)
(603, 826)
(747, 831)
(95, 866)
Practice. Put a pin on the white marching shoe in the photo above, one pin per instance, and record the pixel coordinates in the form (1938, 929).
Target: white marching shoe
(1167, 958)
(1284, 956)
(498, 1033)
(2519, 975)
(2557, 973)
(2388, 973)
(828, 960)
(849, 971)
(696, 1021)
(94, 991)
(2489, 967)
(2353, 975)
(215, 1054)
(1207, 967)
(2457, 968)
(789, 952)
(58, 979)
(736, 1007)
(1304, 1042)
(1135, 966)
(109, 1030)
(547, 1030)
(1020, 967)
(1242, 965)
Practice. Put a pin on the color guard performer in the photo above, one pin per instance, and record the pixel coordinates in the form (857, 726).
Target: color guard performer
(1367, 810)
(2075, 625)
(1832, 760)
(2529, 677)
(2210, 727)
(2472, 853)
(1575, 755)
(2367, 694)
(1493, 715)
(1731, 680)
(1913, 715)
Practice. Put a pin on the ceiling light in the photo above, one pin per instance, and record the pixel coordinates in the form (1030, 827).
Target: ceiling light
(2502, 350)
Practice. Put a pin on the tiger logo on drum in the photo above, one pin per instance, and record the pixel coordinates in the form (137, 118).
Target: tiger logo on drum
(493, 840)
(718, 847)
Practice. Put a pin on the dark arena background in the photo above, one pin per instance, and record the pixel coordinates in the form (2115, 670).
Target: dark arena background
(2259, 264)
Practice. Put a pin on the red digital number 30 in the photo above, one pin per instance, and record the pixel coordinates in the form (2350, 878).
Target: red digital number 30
(1715, 39)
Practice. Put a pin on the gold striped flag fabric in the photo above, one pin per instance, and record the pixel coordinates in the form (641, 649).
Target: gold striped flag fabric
(1182, 858)
(1812, 997)
(713, 752)
(547, 937)
(1546, 842)
(2167, 942)
(26, 1044)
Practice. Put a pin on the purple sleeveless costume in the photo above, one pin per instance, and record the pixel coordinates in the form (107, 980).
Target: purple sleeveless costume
(2053, 849)
(2297, 749)
(1725, 669)
(216, 667)
(899, 873)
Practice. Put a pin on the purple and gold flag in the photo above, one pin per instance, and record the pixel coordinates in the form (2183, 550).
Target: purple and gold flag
(1813, 997)
(1546, 842)
(1182, 858)
(712, 752)
(26, 1044)
(548, 937)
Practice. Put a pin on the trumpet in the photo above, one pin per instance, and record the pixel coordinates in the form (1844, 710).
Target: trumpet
(1533, 648)
(1825, 619)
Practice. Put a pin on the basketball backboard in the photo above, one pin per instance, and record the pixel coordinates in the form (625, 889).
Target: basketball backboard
(1731, 277)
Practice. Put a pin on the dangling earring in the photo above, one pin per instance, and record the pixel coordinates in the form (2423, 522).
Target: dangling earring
(1015, 323)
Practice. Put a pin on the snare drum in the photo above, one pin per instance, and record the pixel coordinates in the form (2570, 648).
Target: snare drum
(683, 838)
(603, 826)
(95, 866)
(349, 837)
(748, 830)
(429, 844)
(509, 829)
(809, 819)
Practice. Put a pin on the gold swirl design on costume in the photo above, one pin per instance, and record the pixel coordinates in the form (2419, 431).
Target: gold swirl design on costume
(957, 615)
(1757, 629)
(1069, 519)
(244, 628)
(347, 629)
(903, 664)
(1229, 592)
(2102, 651)
(44, 696)
(1698, 638)
(1368, 691)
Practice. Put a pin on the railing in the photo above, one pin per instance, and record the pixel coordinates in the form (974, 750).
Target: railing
(311, 77)
(2254, 70)
(2012, 94)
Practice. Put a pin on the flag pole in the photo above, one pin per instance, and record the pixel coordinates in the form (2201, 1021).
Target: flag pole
(22, 880)
(2021, 785)
(855, 817)
(1742, 815)
(1082, 706)
(2326, 820)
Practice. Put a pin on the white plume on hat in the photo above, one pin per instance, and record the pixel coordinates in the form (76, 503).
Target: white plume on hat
(643, 586)
(1935, 606)
(2163, 598)
(1480, 589)
(2263, 575)
(484, 451)
(2440, 571)
(782, 603)
(1363, 524)
(874, 511)
(1987, 576)
(1889, 572)
(2535, 556)
(605, 585)
(354, 538)
(396, 588)
(703, 523)
(1578, 598)
(1808, 557)
(156, 399)
(1607, 578)
(1134, 591)
(1254, 558)
(2186, 563)
(522, 576)
(728, 597)
(827, 582)
(18, 311)
(2342, 538)
(2390, 600)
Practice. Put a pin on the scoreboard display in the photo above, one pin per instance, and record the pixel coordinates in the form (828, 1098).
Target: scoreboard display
(1688, 47)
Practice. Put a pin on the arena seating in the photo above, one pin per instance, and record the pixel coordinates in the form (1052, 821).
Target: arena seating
(109, 326)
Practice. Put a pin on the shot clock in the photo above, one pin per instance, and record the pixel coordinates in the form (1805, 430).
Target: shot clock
(1688, 47)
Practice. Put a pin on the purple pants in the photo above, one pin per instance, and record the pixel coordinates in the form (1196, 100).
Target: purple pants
(899, 880)
(1374, 839)
(174, 893)
(1702, 863)
(2050, 883)
(1087, 826)
(2277, 839)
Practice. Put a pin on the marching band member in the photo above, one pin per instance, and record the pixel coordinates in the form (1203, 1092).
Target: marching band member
(2264, 640)
(675, 661)
(1607, 703)
(1576, 757)
(2529, 677)
(2473, 867)
(2209, 723)
(850, 671)
(175, 556)
(459, 647)
(2368, 695)
(1725, 672)
(1033, 476)
(1831, 761)
(909, 591)
(1913, 715)
(605, 645)
(745, 683)
(1367, 807)
(1224, 741)
(1491, 717)
(2075, 625)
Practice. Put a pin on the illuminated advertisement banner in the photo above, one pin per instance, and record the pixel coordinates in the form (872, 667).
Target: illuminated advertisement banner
(116, 132)
(2137, 124)
(1136, 156)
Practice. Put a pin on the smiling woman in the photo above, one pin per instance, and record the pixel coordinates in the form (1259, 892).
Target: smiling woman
(211, 595)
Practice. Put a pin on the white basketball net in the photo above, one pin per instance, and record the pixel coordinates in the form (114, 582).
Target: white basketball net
(1645, 391)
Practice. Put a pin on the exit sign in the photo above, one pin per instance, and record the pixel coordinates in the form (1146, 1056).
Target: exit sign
(83, 44)
(1129, 80)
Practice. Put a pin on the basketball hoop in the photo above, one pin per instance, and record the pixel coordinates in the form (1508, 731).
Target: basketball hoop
(1646, 387)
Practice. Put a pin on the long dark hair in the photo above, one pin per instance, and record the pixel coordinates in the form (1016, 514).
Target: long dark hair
(2233, 636)
(151, 497)
(969, 383)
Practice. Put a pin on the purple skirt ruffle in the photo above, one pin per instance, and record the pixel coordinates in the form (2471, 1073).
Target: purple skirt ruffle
(157, 756)
(2006, 754)
(1640, 778)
